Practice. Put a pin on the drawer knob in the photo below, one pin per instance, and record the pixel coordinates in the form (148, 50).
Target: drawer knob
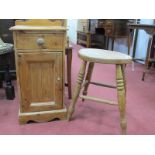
(58, 78)
(40, 41)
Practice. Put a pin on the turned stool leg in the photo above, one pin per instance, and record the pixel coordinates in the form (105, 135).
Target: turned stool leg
(124, 76)
(77, 89)
(88, 78)
(121, 93)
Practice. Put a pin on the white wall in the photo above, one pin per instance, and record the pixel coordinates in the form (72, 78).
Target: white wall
(142, 40)
(120, 45)
(72, 30)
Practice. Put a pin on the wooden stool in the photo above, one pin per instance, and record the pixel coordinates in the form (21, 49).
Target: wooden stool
(105, 57)
(68, 52)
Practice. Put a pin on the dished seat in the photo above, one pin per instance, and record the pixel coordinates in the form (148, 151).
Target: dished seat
(104, 56)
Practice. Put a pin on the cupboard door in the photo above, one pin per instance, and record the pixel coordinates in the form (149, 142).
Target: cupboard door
(40, 80)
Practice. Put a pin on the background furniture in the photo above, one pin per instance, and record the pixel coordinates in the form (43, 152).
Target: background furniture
(114, 29)
(7, 37)
(6, 48)
(87, 35)
(92, 56)
(150, 56)
(85, 38)
(99, 31)
(40, 55)
(68, 52)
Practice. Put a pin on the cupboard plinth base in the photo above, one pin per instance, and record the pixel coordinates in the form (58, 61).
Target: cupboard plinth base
(43, 116)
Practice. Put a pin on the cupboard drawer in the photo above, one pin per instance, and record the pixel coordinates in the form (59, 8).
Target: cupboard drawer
(39, 41)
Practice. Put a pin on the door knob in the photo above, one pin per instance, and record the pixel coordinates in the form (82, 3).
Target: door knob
(58, 78)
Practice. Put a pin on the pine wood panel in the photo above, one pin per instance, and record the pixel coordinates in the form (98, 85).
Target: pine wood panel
(40, 77)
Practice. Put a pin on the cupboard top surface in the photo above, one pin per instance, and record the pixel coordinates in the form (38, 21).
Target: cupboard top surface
(52, 28)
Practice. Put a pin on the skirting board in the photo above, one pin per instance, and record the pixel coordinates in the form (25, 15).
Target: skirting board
(43, 116)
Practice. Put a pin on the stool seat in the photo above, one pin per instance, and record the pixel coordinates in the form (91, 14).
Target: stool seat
(104, 56)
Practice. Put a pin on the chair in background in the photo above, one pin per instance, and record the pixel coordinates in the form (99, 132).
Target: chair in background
(6, 48)
(9, 58)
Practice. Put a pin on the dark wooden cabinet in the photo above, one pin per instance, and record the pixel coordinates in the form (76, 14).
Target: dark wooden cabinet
(113, 27)
(100, 30)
